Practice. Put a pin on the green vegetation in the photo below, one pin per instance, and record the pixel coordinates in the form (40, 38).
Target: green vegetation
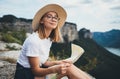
(14, 36)
(90, 65)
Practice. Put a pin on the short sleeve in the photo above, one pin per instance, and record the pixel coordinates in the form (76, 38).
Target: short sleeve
(32, 49)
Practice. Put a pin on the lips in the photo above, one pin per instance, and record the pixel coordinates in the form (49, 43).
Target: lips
(52, 23)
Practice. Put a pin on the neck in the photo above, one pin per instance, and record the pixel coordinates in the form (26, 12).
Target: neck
(48, 32)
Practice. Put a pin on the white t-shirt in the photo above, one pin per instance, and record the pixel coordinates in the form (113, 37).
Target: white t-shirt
(34, 47)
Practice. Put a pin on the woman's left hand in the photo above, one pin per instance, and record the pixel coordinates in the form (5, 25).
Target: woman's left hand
(64, 62)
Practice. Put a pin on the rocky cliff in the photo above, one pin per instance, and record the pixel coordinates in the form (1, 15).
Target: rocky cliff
(12, 23)
(69, 32)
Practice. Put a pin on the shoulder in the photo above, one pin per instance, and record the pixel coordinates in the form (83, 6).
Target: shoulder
(32, 39)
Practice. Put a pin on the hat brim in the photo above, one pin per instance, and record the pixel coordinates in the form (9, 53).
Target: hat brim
(50, 7)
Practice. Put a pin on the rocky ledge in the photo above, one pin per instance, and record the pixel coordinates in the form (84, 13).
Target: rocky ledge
(8, 59)
(7, 70)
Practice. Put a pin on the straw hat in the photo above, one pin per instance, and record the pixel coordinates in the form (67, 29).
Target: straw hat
(50, 7)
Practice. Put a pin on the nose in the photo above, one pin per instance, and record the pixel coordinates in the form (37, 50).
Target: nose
(54, 20)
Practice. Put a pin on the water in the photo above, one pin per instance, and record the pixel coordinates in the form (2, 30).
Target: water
(115, 51)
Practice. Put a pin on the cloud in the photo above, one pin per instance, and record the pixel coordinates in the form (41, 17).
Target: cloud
(85, 1)
(108, 1)
(92, 14)
(115, 8)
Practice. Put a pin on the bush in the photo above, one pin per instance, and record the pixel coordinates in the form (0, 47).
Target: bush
(14, 37)
(10, 39)
(21, 35)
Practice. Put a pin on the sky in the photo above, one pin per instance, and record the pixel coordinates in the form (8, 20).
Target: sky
(95, 15)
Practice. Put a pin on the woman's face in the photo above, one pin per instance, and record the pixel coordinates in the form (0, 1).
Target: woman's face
(50, 20)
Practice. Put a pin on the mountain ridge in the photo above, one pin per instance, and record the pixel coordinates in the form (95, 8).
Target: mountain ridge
(108, 39)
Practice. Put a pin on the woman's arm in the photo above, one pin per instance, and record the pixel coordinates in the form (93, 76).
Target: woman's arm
(37, 71)
(57, 62)
(51, 63)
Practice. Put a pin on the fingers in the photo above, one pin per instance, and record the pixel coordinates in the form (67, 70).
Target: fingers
(64, 62)
(67, 64)
(63, 68)
(67, 61)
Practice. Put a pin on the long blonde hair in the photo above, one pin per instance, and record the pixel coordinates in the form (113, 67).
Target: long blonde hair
(55, 35)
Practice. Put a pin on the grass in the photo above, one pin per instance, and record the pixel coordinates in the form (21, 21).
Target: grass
(13, 36)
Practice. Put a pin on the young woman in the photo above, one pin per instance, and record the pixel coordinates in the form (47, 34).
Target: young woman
(32, 62)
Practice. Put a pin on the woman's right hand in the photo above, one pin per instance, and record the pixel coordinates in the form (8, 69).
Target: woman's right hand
(60, 69)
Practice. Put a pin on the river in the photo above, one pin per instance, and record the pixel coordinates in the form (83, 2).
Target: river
(115, 51)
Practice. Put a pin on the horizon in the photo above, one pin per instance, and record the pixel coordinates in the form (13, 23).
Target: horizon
(102, 15)
(65, 21)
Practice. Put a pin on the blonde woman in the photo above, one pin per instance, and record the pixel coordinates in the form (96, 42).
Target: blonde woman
(32, 62)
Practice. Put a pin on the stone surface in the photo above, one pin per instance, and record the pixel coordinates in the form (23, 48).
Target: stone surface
(7, 71)
(3, 46)
(9, 55)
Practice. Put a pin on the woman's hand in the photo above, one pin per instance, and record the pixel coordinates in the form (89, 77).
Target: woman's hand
(52, 63)
(64, 61)
(67, 61)
(60, 69)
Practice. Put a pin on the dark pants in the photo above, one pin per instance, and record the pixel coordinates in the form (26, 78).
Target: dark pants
(23, 73)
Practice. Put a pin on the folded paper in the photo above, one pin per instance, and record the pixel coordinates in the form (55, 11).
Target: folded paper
(77, 51)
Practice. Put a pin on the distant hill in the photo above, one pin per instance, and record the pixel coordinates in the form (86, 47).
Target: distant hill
(108, 39)
(12, 19)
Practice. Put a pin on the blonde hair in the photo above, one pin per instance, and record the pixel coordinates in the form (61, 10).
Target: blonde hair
(55, 35)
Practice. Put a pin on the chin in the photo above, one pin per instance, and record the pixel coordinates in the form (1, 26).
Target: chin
(53, 27)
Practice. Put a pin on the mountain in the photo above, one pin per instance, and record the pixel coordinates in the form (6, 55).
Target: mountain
(12, 18)
(13, 23)
(108, 39)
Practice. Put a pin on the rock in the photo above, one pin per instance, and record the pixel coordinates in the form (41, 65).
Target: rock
(3, 46)
(7, 71)
(14, 45)
(28, 34)
(1, 64)
(69, 32)
(9, 55)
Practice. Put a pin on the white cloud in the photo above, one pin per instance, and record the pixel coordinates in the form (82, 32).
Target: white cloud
(97, 15)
